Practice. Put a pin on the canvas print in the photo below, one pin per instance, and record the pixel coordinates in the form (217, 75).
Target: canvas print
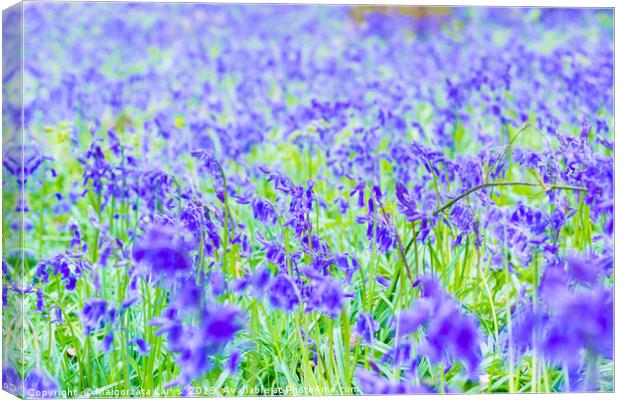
(306, 200)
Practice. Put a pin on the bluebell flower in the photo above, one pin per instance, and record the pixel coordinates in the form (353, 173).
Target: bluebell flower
(68, 265)
(239, 285)
(326, 295)
(197, 343)
(221, 325)
(189, 295)
(153, 186)
(448, 331)
(581, 321)
(164, 252)
(359, 190)
(406, 203)
(409, 321)
(23, 161)
(58, 319)
(76, 239)
(366, 328)
(94, 314)
(106, 343)
(11, 382)
(581, 269)
(301, 202)
(260, 279)
(142, 347)
(463, 218)
(274, 252)
(342, 204)
(264, 211)
(214, 169)
(39, 382)
(193, 215)
(233, 362)
(97, 169)
(314, 244)
(346, 263)
(383, 281)
(379, 230)
(40, 304)
(399, 355)
(374, 384)
(217, 282)
(242, 240)
(283, 293)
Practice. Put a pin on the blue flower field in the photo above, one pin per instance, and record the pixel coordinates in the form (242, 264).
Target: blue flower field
(231, 200)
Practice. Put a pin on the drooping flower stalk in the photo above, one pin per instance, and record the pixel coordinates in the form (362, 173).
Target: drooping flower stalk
(495, 184)
(401, 248)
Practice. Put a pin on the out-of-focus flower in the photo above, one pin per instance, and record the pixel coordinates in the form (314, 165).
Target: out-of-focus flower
(41, 384)
(283, 293)
(372, 383)
(327, 296)
(94, 314)
(448, 332)
(164, 252)
(366, 328)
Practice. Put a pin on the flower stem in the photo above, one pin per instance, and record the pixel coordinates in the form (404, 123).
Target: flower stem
(493, 184)
(401, 248)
